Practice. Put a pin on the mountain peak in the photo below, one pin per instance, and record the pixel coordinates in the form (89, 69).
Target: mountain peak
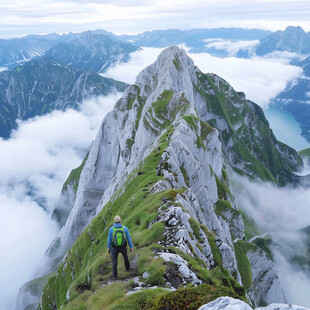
(293, 29)
(172, 57)
(173, 70)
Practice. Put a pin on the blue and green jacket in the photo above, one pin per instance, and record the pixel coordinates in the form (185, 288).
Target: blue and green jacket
(126, 231)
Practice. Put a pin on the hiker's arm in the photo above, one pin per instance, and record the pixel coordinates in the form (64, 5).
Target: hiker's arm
(128, 237)
(109, 238)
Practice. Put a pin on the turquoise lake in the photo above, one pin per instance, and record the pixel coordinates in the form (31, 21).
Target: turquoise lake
(285, 128)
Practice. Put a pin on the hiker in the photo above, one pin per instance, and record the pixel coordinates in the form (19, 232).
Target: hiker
(117, 243)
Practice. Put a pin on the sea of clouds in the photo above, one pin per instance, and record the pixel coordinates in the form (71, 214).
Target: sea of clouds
(34, 164)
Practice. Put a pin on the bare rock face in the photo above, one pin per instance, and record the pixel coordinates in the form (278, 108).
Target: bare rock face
(265, 278)
(228, 303)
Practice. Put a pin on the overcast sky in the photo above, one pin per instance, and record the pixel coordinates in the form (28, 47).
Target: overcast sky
(19, 17)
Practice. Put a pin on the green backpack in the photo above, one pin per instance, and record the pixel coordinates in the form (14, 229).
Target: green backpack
(118, 237)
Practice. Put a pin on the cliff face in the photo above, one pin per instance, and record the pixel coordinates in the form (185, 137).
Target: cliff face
(160, 160)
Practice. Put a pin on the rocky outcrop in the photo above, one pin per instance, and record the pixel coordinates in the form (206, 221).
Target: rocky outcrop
(265, 277)
(228, 303)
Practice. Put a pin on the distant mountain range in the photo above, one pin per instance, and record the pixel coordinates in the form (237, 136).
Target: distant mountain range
(293, 39)
(99, 49)
(90, 50)
(195, 39)
(43, 85)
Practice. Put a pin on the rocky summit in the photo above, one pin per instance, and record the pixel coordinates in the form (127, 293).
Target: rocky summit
(162, 161)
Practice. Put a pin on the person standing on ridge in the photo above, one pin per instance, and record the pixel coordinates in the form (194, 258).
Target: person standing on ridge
(117, 243)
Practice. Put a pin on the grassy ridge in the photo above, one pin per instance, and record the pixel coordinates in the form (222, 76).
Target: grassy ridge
(79, 282)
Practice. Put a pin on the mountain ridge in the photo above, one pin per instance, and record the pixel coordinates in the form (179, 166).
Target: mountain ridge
(163, 154)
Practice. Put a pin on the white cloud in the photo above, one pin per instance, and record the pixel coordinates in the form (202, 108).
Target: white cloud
(26, 231)
(274, 209)
(280, 212)
(127, 72)
(295, 282)
(34, 164)
(232, 47)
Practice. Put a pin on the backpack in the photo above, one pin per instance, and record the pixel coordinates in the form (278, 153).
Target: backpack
(118, 237)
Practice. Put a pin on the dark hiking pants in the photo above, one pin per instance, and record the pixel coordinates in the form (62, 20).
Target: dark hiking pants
(114, 254)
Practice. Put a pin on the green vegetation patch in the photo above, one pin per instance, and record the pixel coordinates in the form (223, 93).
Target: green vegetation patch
(205, 129)
(244, 266)
(223, 191)
(129, 143)
(192, 298)
(305, 152)
(214, 248)
(223, 206)
(160, 106)
(74, 176)
(264, 243)
(177, 63)
(195, 227)
(250, 226)
(141, 102)
(185, 176)
(191, 120)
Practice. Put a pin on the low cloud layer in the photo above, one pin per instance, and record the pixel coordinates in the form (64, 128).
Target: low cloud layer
(259, 78)
(231, 46)
(274, 209)
(295, 282)
(281, 212)
(34, 164)
(127, 72)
